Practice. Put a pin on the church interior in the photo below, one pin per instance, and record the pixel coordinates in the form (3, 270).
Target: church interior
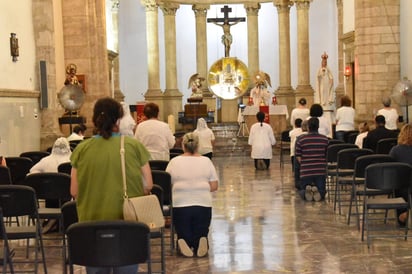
(206, 59)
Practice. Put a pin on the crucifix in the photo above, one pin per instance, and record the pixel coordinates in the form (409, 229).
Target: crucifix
(226, 22)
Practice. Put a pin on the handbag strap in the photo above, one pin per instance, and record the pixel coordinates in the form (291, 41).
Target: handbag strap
(123, 166)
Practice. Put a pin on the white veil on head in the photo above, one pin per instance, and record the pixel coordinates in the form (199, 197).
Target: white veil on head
(127, 123)
(61, 147)
(201, 124)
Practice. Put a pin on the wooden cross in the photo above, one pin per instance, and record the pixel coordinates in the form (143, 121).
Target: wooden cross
(226, 22)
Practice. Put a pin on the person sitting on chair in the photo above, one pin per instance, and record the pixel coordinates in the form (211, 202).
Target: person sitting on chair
(380, 132)
(78, 133)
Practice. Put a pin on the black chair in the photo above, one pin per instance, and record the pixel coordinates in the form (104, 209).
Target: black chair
(7, 253)
(352, 138)
(284, 145)
(164, 180)
(359, 179)
(19, 168)
(175, 152)
(5, 176)
(73, 144)
(50, 186)
(384, 146)
(35, 156)
(21, 201)
(65, 168)
(158, 164)
(334, 147)
(69, 216)
(334, 142)
(108, 244)
(387, 177)
(345, 166)
(347, 136)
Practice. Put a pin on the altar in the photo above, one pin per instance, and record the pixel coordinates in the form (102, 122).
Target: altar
(278, 117)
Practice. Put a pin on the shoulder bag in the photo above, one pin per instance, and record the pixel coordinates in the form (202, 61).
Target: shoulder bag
(145, 209)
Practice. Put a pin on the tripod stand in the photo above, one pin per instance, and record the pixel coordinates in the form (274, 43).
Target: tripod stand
(242, 127)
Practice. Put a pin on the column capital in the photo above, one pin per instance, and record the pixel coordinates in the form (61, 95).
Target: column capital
(339, 2)
(302, 4)
(169, 8)
(283, 5)
(200, 10)
(252, 8)
(150, 5)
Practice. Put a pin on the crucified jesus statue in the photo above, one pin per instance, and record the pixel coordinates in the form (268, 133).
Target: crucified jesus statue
(226, 23)
(226, 37)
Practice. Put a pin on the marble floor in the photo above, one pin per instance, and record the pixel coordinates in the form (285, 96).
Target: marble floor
(260, 225)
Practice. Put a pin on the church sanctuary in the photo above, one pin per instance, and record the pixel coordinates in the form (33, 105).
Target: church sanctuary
(223, 61)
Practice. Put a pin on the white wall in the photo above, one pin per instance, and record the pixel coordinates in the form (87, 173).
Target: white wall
(16, 18)
(20, 121)
(133, 53)
(349, 15)
(20, 126)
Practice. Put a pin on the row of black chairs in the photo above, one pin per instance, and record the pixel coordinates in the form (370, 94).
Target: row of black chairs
(57, 186)
(362, 174)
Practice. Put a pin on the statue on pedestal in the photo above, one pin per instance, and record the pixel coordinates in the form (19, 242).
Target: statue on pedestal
(324, 93)
(195, 83)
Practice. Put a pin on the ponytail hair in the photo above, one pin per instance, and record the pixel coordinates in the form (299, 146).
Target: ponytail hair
(260, 116)
(190, 142)
(106, 112)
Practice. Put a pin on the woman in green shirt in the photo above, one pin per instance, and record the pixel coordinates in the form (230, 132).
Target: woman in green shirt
(96, 176)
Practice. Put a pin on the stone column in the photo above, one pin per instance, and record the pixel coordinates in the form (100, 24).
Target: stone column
(172, 96)
(49, 48)
(85, 44)
(340, 89)
(304, 89)
(152, 32)
(284, 93)
(200, 11)
(375, 77)
(114, 62)
(252, 10)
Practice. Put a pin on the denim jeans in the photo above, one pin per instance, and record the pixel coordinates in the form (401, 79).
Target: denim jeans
(192, 223)
(318, 181)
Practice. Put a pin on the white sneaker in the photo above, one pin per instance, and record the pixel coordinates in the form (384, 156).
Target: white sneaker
(316, 194)
(184, 248)
(308, 193)
(202, 248)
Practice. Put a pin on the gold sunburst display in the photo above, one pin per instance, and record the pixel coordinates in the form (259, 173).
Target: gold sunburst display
(228, 78)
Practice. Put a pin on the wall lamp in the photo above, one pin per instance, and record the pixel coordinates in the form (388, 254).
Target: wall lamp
(348, 72)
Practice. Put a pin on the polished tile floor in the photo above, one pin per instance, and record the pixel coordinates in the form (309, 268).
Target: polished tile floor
(260, 225)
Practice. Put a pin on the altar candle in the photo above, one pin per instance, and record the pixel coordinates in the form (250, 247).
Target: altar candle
(171, 122)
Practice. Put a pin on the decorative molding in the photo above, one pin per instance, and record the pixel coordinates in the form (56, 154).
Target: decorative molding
(283, 5)
(302, 4)
(19, 93)
(151, 5)
(348, 37)
(200, 10)
(252, 9)
(169, 8)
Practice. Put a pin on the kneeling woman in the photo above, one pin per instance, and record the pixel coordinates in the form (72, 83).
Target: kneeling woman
(261, 138)
(193, 179)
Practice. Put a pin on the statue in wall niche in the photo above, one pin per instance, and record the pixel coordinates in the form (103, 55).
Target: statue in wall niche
(71, 78)
(195, 83)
